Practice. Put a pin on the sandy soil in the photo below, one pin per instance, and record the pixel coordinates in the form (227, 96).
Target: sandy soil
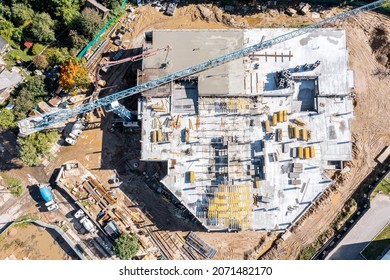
(30, 242)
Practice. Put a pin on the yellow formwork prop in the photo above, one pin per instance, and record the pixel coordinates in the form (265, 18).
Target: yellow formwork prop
(232, 206)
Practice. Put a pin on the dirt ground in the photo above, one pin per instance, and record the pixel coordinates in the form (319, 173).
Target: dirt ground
(30, 242)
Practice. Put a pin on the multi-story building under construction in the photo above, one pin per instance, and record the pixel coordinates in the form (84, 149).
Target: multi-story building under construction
(248, 143)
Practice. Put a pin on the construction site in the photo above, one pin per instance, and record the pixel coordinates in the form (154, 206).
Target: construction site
(248, 143)
(267, 145)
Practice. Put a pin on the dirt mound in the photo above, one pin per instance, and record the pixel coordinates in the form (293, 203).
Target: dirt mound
(380, 45)
(215, 14)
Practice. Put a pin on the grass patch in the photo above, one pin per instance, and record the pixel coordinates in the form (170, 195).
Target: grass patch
(24, 218)
(377, 246)
(23, 221)
(307, 253)
(85, 203)
(12, 56)
(382, 187)
(346, 213)
(13, 185)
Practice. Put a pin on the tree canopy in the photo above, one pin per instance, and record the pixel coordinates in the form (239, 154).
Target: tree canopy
(73, 75)
(23, 103)
(35, 145)
(21, 13)
(28, 95)
(126, 246)
(40, 62)
(68, 10)
(56, 56)
(42, 28)
(5, 11)
(7, 119)
(88, 23)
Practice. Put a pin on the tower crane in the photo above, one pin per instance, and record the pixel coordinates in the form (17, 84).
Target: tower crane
(34, 124)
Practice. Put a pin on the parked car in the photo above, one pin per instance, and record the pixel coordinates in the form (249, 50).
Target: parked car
(122, 29)
(79, 214)
(50, 203)
(53, 207)
(70, 141)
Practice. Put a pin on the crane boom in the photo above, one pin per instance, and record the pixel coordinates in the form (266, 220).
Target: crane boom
(34, 124)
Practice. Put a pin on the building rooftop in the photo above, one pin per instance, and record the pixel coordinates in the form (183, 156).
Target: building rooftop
(3, 43)
(9, 79)
(189, 47)
(99, 6)
(252, 152)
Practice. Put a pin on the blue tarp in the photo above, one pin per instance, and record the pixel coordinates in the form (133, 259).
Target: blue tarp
(46, 193)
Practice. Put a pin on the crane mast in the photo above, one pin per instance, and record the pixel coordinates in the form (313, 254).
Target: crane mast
(34, 124)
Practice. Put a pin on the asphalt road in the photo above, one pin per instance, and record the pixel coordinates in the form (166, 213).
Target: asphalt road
(364, 231)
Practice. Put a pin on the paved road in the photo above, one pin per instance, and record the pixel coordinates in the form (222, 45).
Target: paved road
(364, 231)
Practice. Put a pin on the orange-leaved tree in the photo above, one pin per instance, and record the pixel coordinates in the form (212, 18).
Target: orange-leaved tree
(73, 75)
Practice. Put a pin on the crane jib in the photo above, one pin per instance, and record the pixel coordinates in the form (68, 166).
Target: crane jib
(34, 124)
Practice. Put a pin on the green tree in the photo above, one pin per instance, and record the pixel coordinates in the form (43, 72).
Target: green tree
(17, 34)
(5, 11)
(5, 24)
(56, 56)
(34, 146)
(88, 23)
(40, 62)
(36, 86)
(21, 13)
(42, 28)
(111, 4)
(23, 104)
(37, 48)
(126, 246)
(7, 119)
(28, 95)
(68, 10)
(78, 41)
(6, 28)
(28, 153)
